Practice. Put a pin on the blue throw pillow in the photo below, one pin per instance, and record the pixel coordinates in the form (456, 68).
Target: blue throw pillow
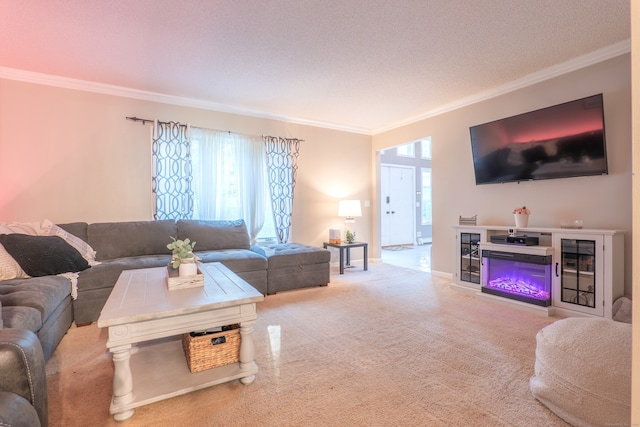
(43, 255)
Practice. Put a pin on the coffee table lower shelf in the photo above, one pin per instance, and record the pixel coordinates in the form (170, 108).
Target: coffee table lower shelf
(161, 372)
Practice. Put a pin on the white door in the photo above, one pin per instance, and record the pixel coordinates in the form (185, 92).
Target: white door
(398, 207)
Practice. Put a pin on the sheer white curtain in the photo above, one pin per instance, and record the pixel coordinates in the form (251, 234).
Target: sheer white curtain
(229, 177)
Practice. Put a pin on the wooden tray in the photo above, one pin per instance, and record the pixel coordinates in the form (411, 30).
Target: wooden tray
(175, 282)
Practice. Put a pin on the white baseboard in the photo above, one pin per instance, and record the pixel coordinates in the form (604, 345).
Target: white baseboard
(467, 289)
(442, 274)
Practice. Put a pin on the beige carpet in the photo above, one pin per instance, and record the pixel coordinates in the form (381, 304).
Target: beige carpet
(386, 347)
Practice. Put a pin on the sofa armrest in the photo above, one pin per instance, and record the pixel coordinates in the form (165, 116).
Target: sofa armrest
(16, 411)
(22, 369)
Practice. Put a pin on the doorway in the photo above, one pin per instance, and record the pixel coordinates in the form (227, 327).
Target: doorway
(405, 204)
(397, 207)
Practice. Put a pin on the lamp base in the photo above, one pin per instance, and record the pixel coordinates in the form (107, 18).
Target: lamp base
(350, 230)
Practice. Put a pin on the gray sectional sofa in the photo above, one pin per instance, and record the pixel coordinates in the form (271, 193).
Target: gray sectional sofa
(129, 245)
(47, 305)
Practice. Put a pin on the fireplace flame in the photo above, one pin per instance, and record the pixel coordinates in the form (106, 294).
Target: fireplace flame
(519, 287)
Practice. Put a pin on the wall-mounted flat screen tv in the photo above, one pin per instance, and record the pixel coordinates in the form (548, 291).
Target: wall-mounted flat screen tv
(562, 141)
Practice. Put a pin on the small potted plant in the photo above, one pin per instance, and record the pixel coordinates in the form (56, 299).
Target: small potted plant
(521, 216)
(351, 236)
(522, 211)
(182, 257)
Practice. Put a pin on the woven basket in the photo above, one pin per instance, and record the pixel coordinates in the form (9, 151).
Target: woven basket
(212, 349)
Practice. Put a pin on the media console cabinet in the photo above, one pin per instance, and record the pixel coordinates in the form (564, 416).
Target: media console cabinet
(572, 272)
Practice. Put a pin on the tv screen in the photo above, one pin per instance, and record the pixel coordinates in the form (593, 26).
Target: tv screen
(562, 141)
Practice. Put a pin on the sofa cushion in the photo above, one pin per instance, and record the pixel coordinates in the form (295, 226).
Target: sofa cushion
(20, 317)
(215, 235)
(78, 229)
(106, 273)
(42, 294)
(237, 260)
(113, 240)
(293, 254)
(43, 255)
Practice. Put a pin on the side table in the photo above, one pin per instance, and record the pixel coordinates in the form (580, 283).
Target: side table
(346, 247)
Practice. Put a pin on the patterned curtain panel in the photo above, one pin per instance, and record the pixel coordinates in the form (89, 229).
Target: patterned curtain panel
(282, 165)
(172, 171)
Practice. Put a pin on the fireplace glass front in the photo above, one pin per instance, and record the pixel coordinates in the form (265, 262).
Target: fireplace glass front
(521, 277)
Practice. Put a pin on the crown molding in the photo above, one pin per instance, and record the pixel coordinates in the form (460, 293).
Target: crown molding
(574, 64)
(113, 90)
(577, 63)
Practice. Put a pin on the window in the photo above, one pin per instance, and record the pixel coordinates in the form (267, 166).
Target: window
(230, 204)
(426, 196)
(230, 181)
(406, 150)
(425, 148)
(268, 231)
(215, 175)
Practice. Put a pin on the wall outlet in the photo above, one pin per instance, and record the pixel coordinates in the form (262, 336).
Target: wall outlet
(419, 234)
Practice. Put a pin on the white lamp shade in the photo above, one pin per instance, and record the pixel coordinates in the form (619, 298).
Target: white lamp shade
(349, 208)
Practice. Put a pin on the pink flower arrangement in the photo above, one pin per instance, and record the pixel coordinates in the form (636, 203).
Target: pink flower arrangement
(523, 211)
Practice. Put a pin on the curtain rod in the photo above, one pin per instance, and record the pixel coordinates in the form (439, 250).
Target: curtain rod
(145, 121)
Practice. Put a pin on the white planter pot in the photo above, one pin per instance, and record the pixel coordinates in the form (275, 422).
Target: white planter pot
(522, 220)
(188, 267)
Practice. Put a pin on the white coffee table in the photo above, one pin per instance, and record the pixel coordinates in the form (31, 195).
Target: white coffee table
(146, 322)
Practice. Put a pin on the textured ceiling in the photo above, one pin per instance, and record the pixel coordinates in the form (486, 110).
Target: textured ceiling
(362, 65)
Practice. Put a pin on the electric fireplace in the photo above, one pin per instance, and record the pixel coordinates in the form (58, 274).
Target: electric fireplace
(521, 273)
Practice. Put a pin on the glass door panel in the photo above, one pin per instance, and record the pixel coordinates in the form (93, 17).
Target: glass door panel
(578, 284)
(470, 258)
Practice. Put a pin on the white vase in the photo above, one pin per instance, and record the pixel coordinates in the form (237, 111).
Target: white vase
(522, 220)
(188, 267)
